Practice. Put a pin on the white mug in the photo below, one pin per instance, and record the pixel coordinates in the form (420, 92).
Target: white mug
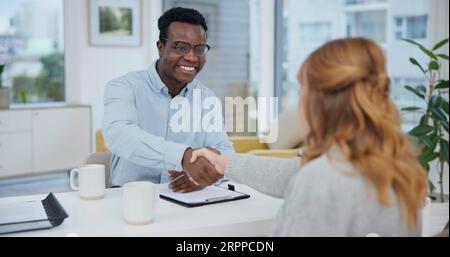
(140, 200)
(91, 181)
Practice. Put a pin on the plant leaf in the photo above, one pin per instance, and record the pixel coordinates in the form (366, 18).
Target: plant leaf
(424, 164)
(433, 65)
(444, 149)
(445, 125)
(423, 120)
(442, 84)
(411, 109)
(415, 62)
(439, 114)
(432, 157)
(443, 56)
(426, 157)
(412, 42)
(421, 89)
(429, 53)
(23, 96)
(417, 92)
(426, 151)
(431, 187)
(435, 101)
(440, 44)
(421, 130)
(426, 141)
(430, 141)
(444, 106)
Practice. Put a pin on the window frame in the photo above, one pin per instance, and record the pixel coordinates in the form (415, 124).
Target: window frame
(403, 28)
(278, 68)
(63, 26)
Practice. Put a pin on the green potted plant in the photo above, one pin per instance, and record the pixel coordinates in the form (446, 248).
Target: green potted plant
(432, 130)
(4, 92)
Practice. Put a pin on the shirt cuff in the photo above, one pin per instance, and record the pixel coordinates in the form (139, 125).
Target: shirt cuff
(173, 156)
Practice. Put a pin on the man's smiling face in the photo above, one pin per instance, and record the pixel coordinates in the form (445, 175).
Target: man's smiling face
(176, 69)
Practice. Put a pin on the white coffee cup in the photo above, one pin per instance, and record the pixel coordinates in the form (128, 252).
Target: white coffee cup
(140, 200)
(91, 181)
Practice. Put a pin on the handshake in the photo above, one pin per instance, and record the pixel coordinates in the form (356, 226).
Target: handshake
(201, 168)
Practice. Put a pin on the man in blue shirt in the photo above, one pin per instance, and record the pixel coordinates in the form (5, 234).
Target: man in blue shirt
(137, 118)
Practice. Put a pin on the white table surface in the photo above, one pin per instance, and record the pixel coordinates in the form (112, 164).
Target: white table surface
(247, 217)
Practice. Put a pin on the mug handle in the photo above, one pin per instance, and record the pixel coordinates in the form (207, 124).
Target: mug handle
(72, 178)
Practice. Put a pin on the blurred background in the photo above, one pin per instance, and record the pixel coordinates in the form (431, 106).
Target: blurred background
(52, 60)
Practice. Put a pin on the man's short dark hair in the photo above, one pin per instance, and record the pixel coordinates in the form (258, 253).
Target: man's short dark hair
(179, 14)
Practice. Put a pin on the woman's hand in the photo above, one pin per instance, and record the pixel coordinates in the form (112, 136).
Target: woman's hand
(219, 161)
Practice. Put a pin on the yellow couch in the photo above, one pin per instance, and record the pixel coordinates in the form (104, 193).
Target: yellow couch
(250, 145)
(100, 146)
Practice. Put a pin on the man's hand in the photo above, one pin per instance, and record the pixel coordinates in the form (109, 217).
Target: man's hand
(201, 172)
(183, 184)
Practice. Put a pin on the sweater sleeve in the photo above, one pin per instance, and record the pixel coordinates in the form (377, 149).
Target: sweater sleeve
(268, 175)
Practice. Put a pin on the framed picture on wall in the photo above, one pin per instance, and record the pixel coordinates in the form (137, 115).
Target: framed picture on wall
(115, 22)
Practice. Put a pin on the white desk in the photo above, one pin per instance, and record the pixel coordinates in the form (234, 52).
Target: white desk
(247, 217)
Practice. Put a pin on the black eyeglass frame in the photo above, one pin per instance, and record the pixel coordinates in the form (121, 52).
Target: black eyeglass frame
(191, 47)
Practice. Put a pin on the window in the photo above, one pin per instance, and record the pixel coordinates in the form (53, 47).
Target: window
(414, 27)
(381, 20)
(315, 33)
(32, 48)
(232, 65)
(371, 24)
(227, 69)
(402, 98)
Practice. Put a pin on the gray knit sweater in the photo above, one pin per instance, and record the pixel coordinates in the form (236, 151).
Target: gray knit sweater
(326, 197)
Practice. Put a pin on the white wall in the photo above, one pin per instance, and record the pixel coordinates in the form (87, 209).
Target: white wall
(89, 68)
(439, 25)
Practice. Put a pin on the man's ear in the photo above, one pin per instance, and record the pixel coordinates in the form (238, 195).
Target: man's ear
(160, 47)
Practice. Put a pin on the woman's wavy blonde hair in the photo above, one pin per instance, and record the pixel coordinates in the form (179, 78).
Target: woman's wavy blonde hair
(348, 105)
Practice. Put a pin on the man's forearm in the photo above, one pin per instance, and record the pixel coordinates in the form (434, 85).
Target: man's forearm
(133, 144)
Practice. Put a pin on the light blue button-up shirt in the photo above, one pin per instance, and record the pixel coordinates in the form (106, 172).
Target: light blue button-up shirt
(136, 128)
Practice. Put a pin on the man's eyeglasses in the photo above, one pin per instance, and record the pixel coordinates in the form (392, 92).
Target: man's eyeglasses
(182, 48)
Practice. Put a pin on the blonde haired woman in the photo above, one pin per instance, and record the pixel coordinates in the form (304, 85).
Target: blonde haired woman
(358, 174)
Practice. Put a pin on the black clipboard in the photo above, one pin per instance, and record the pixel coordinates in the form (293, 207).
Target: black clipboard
(238, 196)
(55, 216)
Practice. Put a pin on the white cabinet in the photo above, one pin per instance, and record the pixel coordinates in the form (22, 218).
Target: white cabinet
(15, 154)
(62, 133)
(15, 121)
(15, 143)
(44, 140)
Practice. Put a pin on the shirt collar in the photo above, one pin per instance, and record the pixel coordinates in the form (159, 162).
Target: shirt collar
(159, 86)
